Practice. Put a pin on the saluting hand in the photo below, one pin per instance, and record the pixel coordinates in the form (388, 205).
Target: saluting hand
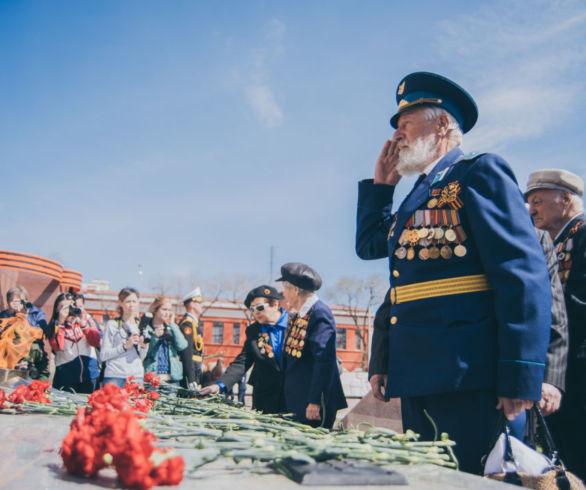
(378, 383)
(385, 171)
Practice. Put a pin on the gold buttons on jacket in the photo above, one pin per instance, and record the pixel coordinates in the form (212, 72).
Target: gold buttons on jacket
(393, 296)
(393, 320)
(395, 273)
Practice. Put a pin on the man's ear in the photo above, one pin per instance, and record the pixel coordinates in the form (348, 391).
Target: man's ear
(442, 124)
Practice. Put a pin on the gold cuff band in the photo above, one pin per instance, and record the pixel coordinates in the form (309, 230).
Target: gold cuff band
(440, 287)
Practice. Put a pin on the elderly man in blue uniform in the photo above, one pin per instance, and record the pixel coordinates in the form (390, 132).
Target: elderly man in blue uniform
(470, 301)
(312, 387)
(555, 204)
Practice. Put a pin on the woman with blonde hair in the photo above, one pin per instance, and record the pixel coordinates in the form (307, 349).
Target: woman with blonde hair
(123, 347)
(166, 341)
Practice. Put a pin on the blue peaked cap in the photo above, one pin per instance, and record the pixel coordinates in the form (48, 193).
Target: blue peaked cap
(429, 89)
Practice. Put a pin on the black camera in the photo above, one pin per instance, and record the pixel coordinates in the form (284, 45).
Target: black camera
(143, 328)
(26, 304)
(167, 334)
(74, 310)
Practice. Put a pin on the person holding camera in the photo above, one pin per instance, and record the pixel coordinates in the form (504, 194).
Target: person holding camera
(39, 362)
(123, 347)
(74, 342)
(165, 341)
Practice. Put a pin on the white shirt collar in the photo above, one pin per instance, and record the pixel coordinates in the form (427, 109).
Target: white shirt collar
(309, 302)
(427, 170)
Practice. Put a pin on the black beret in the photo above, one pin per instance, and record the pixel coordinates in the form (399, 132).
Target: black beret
(300, 275)
(263, 291)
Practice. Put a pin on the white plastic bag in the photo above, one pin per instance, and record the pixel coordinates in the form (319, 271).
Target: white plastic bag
(520, 458)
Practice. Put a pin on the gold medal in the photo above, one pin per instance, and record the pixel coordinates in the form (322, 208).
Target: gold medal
(446, 252)
(432, 203)
(460, 250)
(401, 253)
(271, 355)
(438, 234)
(302, 343)
(434, 252)
(403, 237)
(450, 235)
(298, 354)
(430, 234)
(410, 253)
(422, 232)
(423, 254)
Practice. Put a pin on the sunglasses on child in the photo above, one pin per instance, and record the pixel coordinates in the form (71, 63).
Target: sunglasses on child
(257, 308)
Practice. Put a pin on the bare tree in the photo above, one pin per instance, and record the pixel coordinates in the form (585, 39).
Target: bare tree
(358, 298)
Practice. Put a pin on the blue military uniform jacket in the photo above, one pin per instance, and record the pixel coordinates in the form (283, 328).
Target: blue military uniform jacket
(483, 323)
(309, 363)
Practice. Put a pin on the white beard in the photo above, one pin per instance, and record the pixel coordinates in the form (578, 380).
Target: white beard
(414, 158)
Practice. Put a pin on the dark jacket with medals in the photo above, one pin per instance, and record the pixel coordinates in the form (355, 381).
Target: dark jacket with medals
(309, 362)
(266, 377)
(470, 302)
(570, 247)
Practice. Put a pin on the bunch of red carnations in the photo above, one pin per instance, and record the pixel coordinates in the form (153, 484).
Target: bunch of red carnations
(108, 433)
(35, 391)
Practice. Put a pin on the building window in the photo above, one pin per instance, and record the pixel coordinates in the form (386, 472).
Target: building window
(218, 333)
(357, 339)
(340, 338)
(236, 333)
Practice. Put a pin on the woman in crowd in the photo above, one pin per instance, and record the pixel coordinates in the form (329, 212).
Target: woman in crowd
(166, 341)
(39, 362)
(74, 342)
(262, 348)
(312, 388)
(123, 348)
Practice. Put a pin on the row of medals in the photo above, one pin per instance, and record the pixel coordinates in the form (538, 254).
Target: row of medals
(296, 338)
(564, 257)
(425, 237)
(264, 345)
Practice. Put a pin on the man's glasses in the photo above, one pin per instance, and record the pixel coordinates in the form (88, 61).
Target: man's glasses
(257, 308)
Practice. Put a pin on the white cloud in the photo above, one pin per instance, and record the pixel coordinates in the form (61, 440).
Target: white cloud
(258, 92)
(524, 63)
(262, 101)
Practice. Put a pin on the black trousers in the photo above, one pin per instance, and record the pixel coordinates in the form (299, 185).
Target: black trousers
(469, 418)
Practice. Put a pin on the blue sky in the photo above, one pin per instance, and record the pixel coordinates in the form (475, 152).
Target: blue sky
(190, 136)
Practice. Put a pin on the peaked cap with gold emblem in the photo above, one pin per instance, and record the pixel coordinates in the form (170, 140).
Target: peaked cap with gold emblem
(428, 89)
(263, 291)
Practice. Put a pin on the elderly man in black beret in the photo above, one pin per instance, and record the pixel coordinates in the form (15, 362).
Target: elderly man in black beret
(312, 388)
(555, 204)
(262, 348)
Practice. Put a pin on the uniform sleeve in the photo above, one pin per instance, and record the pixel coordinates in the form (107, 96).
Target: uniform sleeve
(322, 342)
(373, 219)
(186, 354)
(379, 351)
(516, 270)
(557, 350)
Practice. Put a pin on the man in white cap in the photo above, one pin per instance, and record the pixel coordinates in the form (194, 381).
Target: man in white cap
(555, 204)
(192, 357)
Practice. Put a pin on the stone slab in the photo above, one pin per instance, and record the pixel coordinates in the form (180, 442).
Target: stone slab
(29, 459)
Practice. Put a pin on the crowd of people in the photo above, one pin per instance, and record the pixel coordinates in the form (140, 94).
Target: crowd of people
(292, 348)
